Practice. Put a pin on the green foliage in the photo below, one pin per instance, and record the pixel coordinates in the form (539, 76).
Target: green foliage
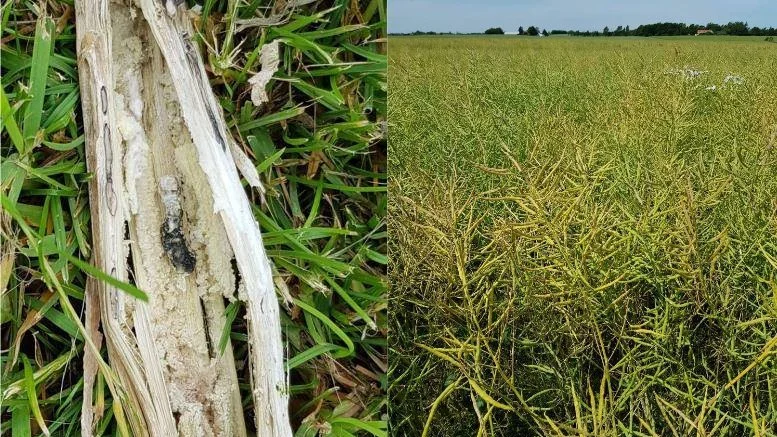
(737, 28)
(319, 145)
(494, 31)
(581, 243)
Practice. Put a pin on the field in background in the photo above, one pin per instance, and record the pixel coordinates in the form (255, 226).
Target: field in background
(319, 148)
(584, 236)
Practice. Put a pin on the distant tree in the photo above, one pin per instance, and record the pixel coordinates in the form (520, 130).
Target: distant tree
(532, 31)
(495, 31)
(656, 29)
(520, 30)
(736, 28)
(544, 32)
(669, 29)
(558, 32)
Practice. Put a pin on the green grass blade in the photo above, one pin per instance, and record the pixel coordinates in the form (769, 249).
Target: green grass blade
(32, 396)
(20, 421)
(9, 123)
(272, 119)
(102, 276)
(39, 69)
(313, 352)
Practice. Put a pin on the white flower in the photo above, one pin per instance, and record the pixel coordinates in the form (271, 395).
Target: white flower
(734, 79)
(687, 72)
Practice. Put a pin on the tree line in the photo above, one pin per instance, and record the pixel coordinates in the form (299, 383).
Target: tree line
(739, 28)
(656, 29)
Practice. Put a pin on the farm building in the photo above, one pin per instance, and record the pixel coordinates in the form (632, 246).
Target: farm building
(704, 32)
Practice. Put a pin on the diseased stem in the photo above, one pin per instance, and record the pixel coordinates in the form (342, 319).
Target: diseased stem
(165, 179)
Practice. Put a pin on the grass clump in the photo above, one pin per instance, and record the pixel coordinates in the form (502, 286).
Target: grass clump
(318, 145)
(584, 241)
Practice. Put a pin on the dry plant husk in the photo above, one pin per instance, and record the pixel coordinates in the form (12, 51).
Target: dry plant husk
(170, 213)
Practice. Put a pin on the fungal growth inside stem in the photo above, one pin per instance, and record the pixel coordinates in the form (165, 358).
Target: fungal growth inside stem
(172, 229)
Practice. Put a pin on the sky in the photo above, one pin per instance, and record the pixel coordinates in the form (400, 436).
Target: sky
(476, 16)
